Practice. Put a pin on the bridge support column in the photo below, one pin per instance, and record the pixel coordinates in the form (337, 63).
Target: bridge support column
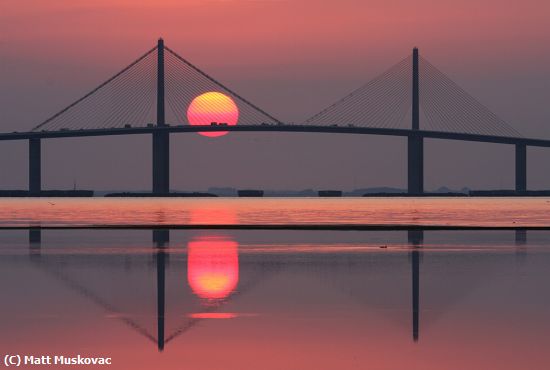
(35, 166)
(161, 162)
(521, 167)
(415, 169)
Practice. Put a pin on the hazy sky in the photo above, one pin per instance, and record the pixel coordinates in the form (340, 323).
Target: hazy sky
(292, 58)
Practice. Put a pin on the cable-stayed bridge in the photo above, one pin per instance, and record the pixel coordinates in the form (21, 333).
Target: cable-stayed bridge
(153, 94)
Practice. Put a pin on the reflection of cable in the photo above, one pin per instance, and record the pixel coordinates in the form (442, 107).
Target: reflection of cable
(243, 289)
(82, 290)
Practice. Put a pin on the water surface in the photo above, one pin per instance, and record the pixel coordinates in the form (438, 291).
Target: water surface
(513, 212)
(159, 299)
(166, 298)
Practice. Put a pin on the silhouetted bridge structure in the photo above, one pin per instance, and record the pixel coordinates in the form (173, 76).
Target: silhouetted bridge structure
(151, 95)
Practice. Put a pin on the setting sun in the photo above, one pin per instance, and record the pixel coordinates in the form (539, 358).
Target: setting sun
(213, 107)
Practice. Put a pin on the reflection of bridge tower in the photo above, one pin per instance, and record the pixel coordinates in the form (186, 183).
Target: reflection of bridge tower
(416, 239)
(161, 238)
(41, 261)
(521, 244)
(35, 237)
(161, 288)
(521, 237)
(35, 241)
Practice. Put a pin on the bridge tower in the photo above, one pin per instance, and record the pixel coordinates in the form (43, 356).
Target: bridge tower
(415, 144)
(161, 138)
(35, 166)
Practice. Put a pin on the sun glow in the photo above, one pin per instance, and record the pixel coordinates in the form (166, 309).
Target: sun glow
(213, 108)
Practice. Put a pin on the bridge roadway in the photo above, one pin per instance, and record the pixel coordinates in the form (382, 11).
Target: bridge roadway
(161, 142)
(330, 129)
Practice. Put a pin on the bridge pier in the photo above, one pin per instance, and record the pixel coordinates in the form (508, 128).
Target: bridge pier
(521, 167)
(161, 162)
(35, 166)
(415, 158)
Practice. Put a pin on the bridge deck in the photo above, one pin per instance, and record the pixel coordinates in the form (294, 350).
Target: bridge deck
(277, 128)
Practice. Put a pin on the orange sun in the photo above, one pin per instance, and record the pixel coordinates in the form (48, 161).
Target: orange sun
(213, 267)
(212, 107)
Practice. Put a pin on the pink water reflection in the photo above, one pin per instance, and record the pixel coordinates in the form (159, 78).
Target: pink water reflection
(149, 211)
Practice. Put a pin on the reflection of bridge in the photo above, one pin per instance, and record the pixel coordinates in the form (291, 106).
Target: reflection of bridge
(161, 254)
(123, 105)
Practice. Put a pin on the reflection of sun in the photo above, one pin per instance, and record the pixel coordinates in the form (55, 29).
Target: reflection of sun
(213, 107)
(213, 216)
(213, 267)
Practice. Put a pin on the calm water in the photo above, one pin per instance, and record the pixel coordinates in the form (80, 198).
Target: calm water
(249, 299)
(174, 211)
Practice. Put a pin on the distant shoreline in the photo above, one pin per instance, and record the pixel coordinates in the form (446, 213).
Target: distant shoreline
(92, 194)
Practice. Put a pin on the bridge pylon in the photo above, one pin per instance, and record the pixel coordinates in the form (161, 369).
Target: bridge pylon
(521, 167)
(35, 166)
(415, 152)
(161, 139)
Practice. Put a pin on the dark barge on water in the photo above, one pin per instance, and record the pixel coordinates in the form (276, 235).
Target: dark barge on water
(250, 193)
(329, 193)
(46, 193)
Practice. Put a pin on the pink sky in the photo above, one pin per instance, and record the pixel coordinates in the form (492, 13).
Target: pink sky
(276, 34)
